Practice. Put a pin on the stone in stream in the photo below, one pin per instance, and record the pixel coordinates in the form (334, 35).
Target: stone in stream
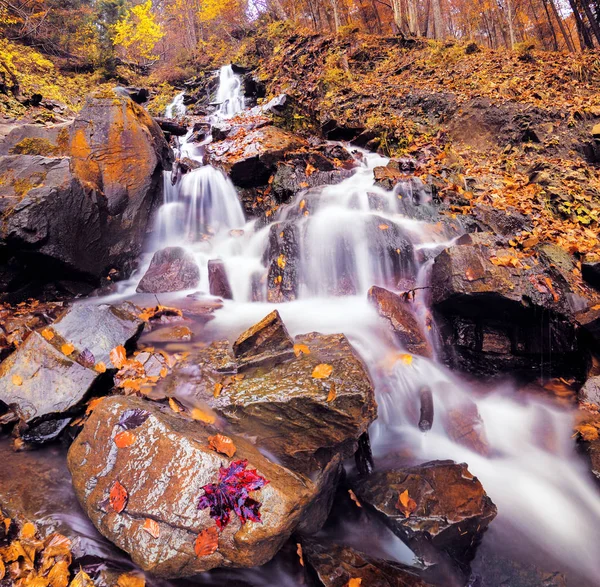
(590, 392)
(334, 565)
(500, 314)
(590, 270)
(163, 473)
(303, 415)
(53, 370)
(401, 320)
(249, 158)
(449, 513)
(171, 269)
(218, 282)
(283, 259)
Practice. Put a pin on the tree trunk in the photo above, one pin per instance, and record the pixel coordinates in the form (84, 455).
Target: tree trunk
(590, 16)
(562, 27)
(438, 20)
(584, 37)
(336, 15)
(511, 26)
(413, 21)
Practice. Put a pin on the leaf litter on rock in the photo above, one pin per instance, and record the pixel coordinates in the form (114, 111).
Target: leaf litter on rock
(133, 418)
(118, 497)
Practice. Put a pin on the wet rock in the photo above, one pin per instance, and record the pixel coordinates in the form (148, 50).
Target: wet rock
(46, 140)
(164, 472)
(590, 392)
(253, 88)
(283, 260)
(264, 342)
(218, 280)
(387, 177)
(450, 514)
(498, 314)
(171, 269)
(507, 222)
(171, 126)
(334, 131)
(52, 373)
(220, 130)
(332, 565)
(284, 407)
(249, 158)
(401, 320)
(277, 105)
(138, 95)
(590, 270)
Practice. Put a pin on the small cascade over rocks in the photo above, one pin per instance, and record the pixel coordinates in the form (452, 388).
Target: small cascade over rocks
(229, 95)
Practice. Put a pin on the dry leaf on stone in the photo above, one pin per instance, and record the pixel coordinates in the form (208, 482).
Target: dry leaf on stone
(222, 444)
(67, 349)
(152, 527)
(47, 334)
(218, 389)
(354, 582)
(322, 371)
(133, 579)
(332, 393)
(299, 552)
(100, 367)
(17, 380)
(118, 356)
(406, 504)
(354, 498)
(175, 406)
(301, 349)
(59, 575)
(118, 497)
(207, 542)
(124, 439)
(81, 579)
(203, 416)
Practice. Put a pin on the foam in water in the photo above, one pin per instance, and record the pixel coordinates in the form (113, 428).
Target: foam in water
(529, 468)
(176, 107)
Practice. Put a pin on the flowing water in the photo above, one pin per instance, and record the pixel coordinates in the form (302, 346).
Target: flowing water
(548, 509)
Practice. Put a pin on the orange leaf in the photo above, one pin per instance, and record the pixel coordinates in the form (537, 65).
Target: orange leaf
(223, 444)
(587, 432)
(207, 542)
(470, 274)
(406, 504)
(383, 227)
(218, 388)
(354, 582)
(354, 498)
(124, 439)
(118, 356)
(152, 527)
(174, 405)
(100, 367)
(322, 371)
(332, 393)
(133, 579)
(299, 552)
(300, 349)
(67, 348)
(281, 261)
(203, 416)
(47, 334)
(406, 359)
(118, 497)
(17, 380)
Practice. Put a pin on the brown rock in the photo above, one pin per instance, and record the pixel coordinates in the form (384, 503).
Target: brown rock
(451, 513)
(171, 269)
(217, 280)
(401, 320)
(163, 472)
(334, 565)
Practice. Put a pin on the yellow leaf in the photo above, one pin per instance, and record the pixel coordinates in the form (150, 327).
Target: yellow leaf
(67, 348)
(223, 444)
(406, 359)
(383, 227)
(322, 371)
(174, 405)
(300, 349)
(587, 432)
(81, 579)
(132, 579)
(281, 261)
(203, 416)
(354, 498)
(118, 356)
(100, 367)
(218, 389)
(17, 380)
(163, 372)
(406, 504)
(47, 334)
(59, 574)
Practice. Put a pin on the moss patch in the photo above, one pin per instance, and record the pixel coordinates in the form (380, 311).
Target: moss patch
(35, 146)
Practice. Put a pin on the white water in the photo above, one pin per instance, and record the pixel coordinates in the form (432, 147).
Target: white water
(229, 95)
(542, 489)
(176, 107)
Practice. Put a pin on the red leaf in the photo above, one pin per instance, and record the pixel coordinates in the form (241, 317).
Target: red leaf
(118, 497)
(207, 542)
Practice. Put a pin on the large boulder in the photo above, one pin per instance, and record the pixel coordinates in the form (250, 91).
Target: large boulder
(164, 472)
(334, 565)
(171, 269)
(439, 509)
(498, 313)
(81, 215)
(55, 368)
(249, 158)
(304, 409)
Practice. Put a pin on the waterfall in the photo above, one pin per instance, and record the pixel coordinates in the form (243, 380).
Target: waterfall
(176, 107)
(229, 94)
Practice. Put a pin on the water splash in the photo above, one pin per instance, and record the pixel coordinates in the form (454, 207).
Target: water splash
(176, 107)
(229, 95)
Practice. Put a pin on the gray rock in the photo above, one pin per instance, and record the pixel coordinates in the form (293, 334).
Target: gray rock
(171, 269)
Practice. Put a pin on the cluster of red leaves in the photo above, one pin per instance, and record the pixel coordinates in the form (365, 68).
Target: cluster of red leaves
(231, 493)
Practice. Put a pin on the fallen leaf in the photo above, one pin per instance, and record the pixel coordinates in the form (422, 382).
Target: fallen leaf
(332, 393)
(354, 582)
(470, 274)
(164, 372)
(118, 497)
(118, 356)
(27, 531)
(2, 570)
(203, 416)
(406, 359)
(354, 498)
(322, 371)
(587, 432)
(47, 334)
(218, 389)
(86, 358)
(81, 579)
(406, 504)
(152, 527)
(301, 349)
(133, 418)
(174, 405)
(223, 444)
(383, 227)
(124, 439)
(100, 367)
(67, 349)
(310, 169)
(133, 579)
(281, 262)
(92, 405)
(299, 552)
(17, 380)
(59, 574)
(207, 542)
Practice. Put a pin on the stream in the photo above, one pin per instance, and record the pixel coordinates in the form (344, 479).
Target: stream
(519, 446)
